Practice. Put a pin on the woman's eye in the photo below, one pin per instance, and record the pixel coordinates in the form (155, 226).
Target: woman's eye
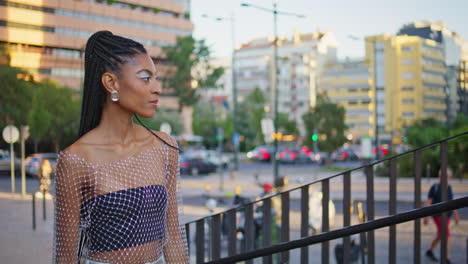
(145, 78)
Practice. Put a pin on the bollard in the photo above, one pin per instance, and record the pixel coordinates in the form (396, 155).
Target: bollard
(34, 211)
(44, 205)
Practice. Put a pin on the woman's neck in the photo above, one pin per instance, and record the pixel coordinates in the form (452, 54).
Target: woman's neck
(117, 125)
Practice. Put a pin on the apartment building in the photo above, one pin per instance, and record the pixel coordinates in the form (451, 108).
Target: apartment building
(47, 37)
(300, 59)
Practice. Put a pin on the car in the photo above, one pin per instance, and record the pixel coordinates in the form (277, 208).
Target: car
(5, 162)
(218, 159)
(193, 165)
(261, 153)
(33, 162)
(344, 154)
(295, 155)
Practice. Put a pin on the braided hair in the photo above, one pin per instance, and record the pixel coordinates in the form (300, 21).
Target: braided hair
(105, 52)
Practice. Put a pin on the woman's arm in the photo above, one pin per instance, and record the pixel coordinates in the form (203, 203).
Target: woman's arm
(175, 250)
(67, 213)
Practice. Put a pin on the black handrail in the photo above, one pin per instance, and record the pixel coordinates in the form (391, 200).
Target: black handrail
(350, 230)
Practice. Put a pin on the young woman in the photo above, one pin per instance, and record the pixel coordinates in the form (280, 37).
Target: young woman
(116, 185)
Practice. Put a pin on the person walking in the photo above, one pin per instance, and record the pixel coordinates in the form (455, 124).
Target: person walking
(45, 169)
(116, 185)
(435, 196)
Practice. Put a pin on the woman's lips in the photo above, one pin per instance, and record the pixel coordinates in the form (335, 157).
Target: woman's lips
(154, 103)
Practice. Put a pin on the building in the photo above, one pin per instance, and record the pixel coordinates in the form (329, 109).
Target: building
(47, 37)
(348, 83)
(300, 59)
(453, 50)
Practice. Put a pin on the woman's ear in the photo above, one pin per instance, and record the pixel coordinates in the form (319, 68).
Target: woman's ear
(109, 81)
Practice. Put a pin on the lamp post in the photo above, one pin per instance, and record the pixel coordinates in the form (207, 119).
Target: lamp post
(376, 116)
(275, 80)
(235, 137)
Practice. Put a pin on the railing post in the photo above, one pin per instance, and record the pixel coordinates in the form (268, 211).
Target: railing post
(249, 230)
(232, 240)
(216, 237)
(285, 224)
(200, 238)
(267, 228)
(305, 221)
(187, 234)
(44, 205)
(443, 186)
(346, 216)
(34, 211)
(417, 204)
(370, 213)
(392, 209)
(325, 219)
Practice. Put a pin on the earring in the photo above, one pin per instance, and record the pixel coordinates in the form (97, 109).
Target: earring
(115, 96)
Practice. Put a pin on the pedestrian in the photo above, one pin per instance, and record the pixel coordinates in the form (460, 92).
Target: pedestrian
(116, 186)
(435, 196)
(43, 174)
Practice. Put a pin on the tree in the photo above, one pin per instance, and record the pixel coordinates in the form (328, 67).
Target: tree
(54, 114)
(16, 95)
(287, 126)
(190, 60)
(329, 120)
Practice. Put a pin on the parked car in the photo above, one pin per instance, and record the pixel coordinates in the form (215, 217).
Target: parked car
(5, 162)
(218, 159)
(261, 153)
(292, 155)
(192, 165)
(344, 154)
(33, 162)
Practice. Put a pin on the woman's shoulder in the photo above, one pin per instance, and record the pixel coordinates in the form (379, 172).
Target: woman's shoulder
(166, 138)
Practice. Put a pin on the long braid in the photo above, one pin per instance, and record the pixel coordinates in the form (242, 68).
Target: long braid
(104, 52)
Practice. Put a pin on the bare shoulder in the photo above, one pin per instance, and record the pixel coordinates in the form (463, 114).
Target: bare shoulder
(167, 138)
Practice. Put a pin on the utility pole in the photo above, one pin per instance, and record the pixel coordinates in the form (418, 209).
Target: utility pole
(275, 78)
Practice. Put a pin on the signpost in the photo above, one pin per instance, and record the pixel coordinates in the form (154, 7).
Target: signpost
(267, 129)
(24, 136)
(166, 128)
(11, 135)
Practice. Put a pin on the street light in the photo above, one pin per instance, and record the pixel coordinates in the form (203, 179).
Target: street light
(275, 81)
(235, 137)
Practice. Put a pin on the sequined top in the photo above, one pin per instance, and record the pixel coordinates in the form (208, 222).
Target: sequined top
(123, 212)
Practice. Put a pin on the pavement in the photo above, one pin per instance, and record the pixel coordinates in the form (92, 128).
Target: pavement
(20, 244)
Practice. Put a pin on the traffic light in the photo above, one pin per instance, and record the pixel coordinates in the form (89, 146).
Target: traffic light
(314, 137)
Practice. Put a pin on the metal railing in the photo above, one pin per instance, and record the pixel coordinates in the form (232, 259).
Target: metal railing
(208, 230)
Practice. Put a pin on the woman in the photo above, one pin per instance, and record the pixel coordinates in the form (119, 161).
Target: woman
(116, 185)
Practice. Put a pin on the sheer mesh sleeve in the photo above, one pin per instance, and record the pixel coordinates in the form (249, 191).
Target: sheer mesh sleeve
(175, 250)
(67, 214)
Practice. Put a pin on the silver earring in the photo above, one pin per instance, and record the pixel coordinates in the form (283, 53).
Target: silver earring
(115, 96)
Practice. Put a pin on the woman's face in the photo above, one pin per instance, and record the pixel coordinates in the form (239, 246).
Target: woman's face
(138, 86)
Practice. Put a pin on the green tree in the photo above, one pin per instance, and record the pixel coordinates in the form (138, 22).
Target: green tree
(190, 59)
(15, 96)
(329, 120)
(206, 120)
(287, 126)
(54, 114)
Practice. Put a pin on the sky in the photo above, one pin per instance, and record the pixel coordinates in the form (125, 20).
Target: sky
(345, 18)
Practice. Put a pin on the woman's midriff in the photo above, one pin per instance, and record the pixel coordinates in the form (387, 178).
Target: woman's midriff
(140, 254)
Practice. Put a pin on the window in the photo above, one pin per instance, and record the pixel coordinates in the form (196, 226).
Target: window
(407, 75)
(407, 48)
(407, 61)
(407, 101)
(408, 115)
(407, 88)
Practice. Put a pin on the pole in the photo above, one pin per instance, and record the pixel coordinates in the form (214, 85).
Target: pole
(12, 168)
(23, 171)
(275, 91)
(375, 101)
(234, 97)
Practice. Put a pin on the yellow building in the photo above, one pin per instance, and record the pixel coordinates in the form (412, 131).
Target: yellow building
(349, 85)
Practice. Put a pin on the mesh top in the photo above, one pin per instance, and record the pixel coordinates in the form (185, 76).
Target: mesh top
(124, 211)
